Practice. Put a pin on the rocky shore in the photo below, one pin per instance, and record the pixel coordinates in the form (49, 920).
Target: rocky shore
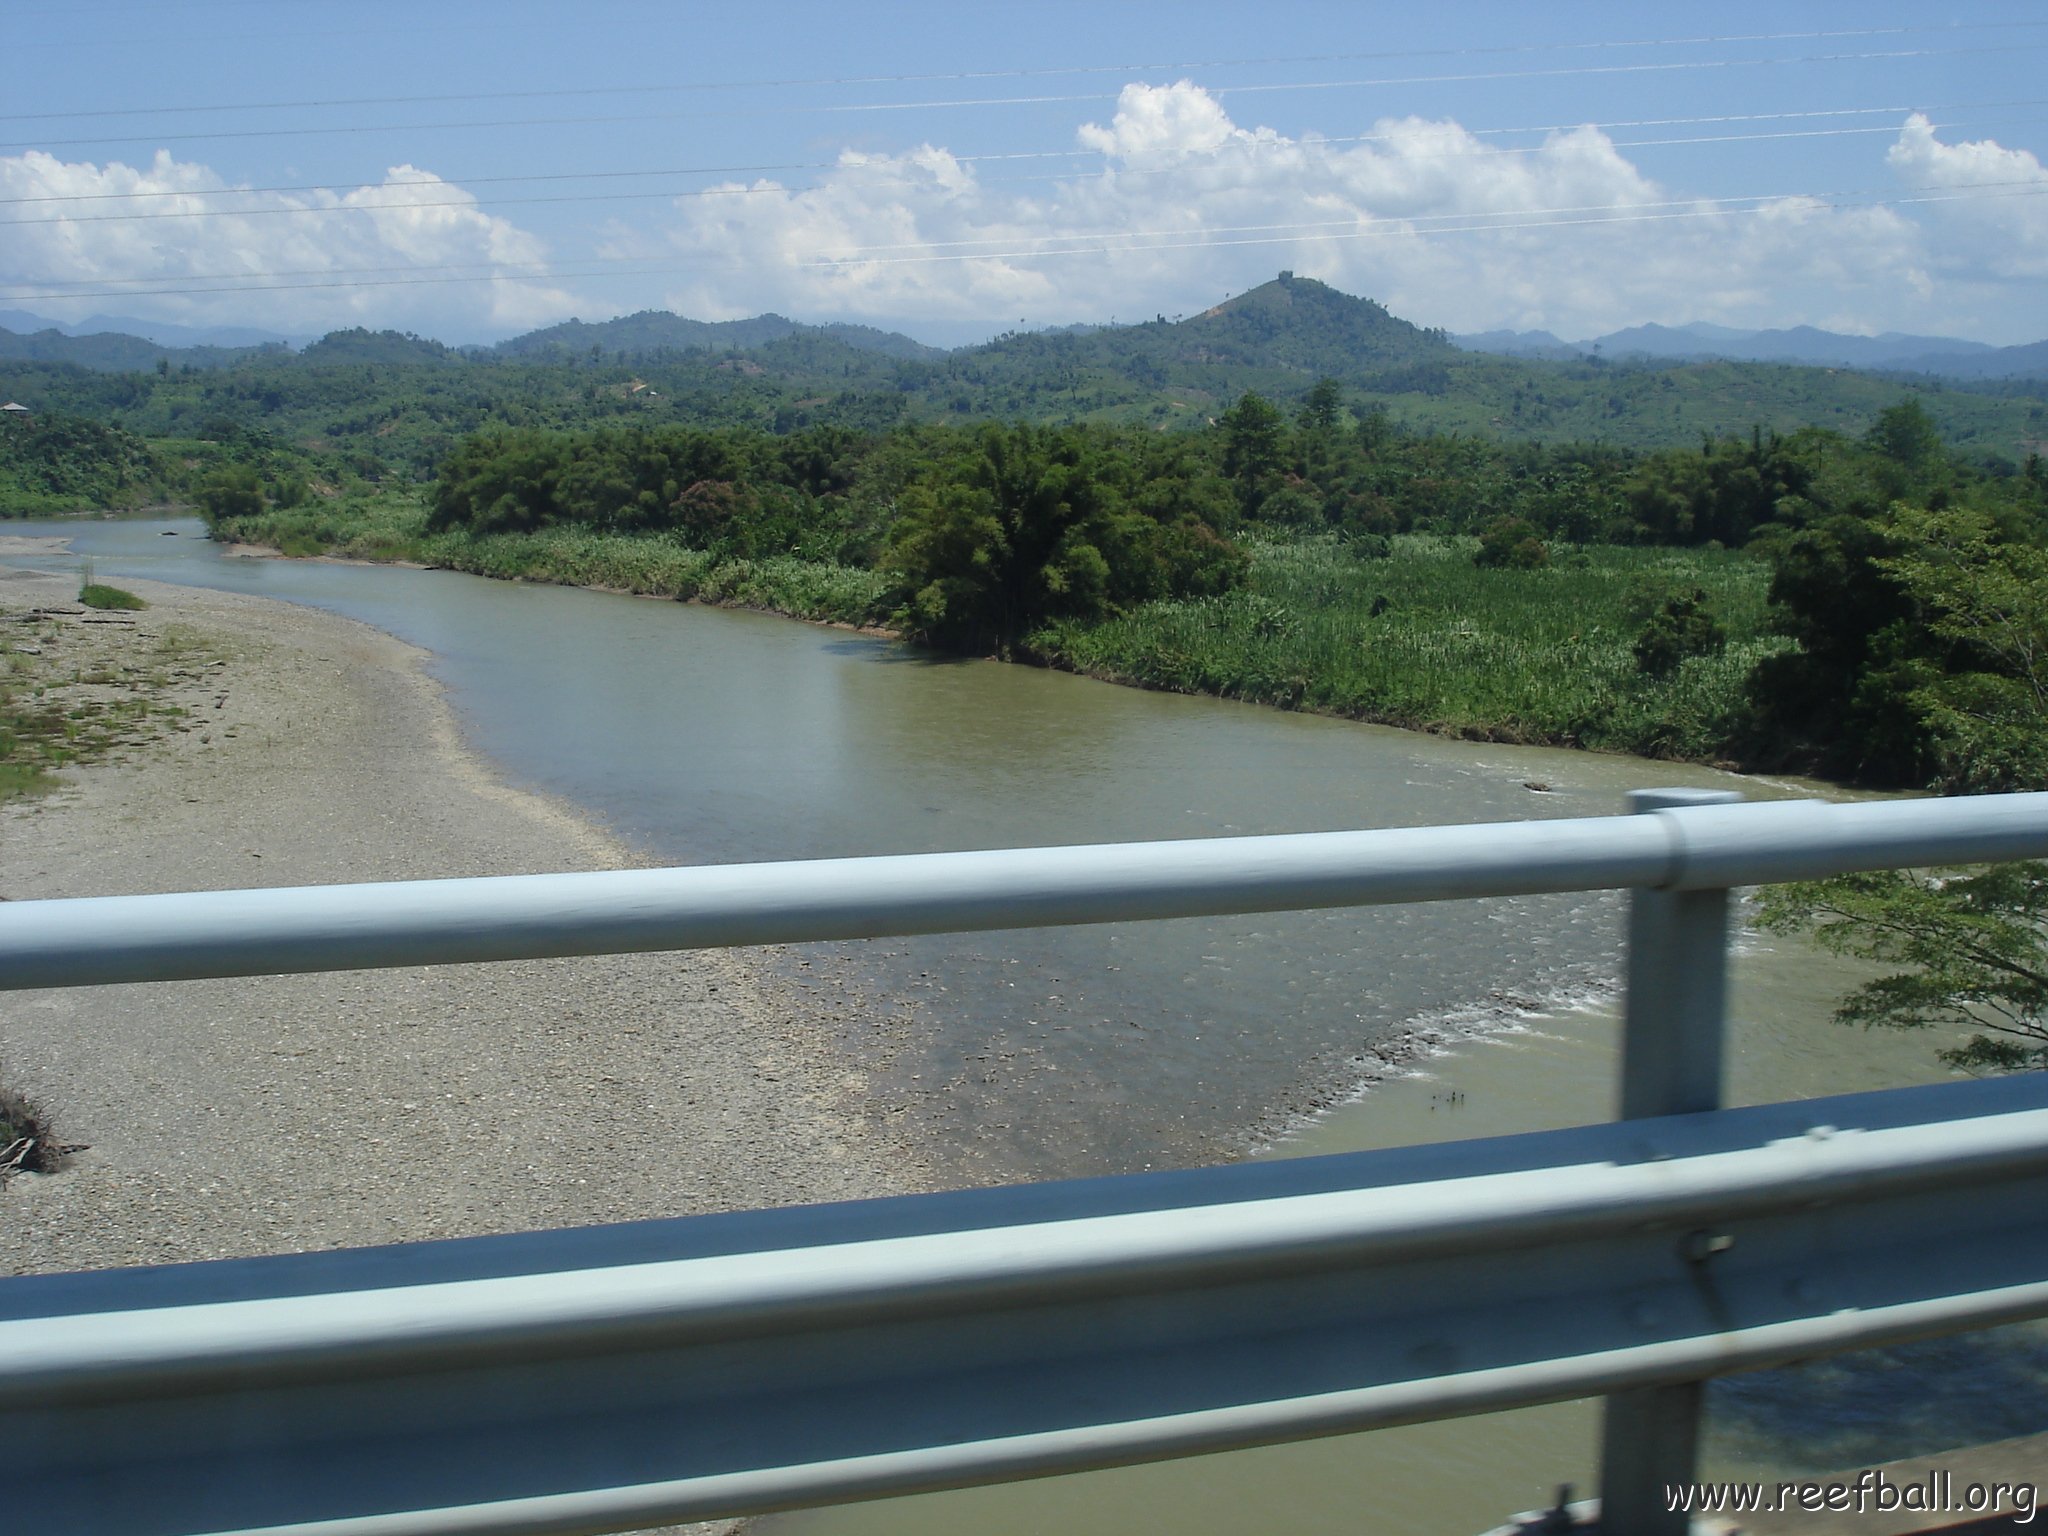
(302, 1112)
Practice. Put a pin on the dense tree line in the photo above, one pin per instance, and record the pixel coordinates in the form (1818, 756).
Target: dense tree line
(985, 532)
(1914, 584)
(68, 463)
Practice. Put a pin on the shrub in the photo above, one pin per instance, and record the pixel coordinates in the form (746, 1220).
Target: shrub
(233, 490)
(95, 594)
(1511, 543)
(1684, 626)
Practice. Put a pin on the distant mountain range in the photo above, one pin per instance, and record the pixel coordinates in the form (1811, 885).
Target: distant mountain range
(164, 334)
(120, 343)
(1647, 387)
(1804, 345)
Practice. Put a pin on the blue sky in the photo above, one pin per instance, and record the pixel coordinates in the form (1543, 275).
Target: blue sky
(473, 170)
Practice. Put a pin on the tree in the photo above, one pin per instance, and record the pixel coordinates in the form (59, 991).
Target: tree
(1841, 703)
(1984, 602)
(1923, 651)
(1907, 435)
(1254, 442)
(1320, 408)
(233, 490)
(1032, 524)
(1974, 946)
(1512, 543)
(1683, 625)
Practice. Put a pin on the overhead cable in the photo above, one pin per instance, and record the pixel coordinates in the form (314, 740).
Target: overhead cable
(1164, 240)
(1016, 101)
(1050, 154)
(1047, 71)
(352, 205)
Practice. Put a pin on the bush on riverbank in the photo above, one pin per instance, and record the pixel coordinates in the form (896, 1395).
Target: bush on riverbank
(97, 594)
(657, 565)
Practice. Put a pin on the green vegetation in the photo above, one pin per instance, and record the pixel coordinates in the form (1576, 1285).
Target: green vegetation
(1295, 497)
(1974, 948)
(394, 526)
(1880, 620)
(70, 695)
(1917, 598)
(383, 408)
(97, 594)
(1020, 526)
(1425, 637)
(58, 464)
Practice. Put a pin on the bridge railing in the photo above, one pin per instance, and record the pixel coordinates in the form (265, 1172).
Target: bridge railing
(612, 1377)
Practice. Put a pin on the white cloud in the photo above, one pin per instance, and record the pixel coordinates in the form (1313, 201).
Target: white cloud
(1442, 225)
(1988, 214)
(1179, 206)
(270, 262)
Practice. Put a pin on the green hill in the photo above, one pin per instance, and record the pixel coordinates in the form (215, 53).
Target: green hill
(113, 352)
(653, 331)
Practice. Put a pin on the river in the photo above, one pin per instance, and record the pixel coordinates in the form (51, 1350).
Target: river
(704, 735)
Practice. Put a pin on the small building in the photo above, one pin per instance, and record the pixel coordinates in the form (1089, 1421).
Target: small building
(14, 411)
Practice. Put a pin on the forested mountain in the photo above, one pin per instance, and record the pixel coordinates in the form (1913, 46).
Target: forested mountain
(112, 351)
(162, 332)
(2028, 363)
(402, 401)
(656, 330)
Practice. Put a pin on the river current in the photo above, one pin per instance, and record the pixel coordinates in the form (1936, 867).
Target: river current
(702, 735)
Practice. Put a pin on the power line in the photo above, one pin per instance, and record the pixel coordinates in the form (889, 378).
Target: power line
(1042, 154)
(1390, 230)
(1016, 101)
(1250, 147)
(1163, 240)
(1839, 197)
(1049, 71)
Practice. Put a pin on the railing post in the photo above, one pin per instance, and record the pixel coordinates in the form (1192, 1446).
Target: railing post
(1672, 1032)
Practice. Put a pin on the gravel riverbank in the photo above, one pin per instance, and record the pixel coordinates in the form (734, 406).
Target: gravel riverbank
(290, 1113)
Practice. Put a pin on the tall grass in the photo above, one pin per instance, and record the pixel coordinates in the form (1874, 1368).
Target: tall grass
(1424, 638)
(387, 526)
(659, 565)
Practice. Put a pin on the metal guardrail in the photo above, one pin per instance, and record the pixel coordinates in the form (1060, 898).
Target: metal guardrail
(605, 1378)
(1693, 846)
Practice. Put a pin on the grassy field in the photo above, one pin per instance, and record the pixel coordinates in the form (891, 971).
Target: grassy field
(1426, 639)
